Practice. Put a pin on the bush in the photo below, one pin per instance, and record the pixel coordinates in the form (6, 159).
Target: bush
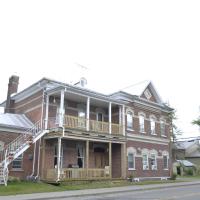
(12, 179)
(173, 176)
(189, 172)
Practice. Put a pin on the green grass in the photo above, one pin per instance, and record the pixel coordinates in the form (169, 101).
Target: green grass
(27, 188)
(23, 187)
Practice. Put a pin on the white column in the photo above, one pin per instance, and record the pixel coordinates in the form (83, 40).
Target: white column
(110, 117)
(47, 112)
(88, 114)
(58, 158)
(62, 108)
(120, 115)
(123, 119)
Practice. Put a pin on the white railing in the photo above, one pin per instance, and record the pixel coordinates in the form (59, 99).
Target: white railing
(21, 141)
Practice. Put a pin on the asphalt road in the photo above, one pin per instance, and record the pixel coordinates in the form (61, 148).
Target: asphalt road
(191, 192)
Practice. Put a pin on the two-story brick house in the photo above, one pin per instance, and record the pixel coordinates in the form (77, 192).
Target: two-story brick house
(82, 134)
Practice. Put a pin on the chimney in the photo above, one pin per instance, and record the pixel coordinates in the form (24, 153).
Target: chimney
(12, 88)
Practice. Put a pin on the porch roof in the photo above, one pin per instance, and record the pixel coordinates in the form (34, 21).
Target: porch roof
(18, 121)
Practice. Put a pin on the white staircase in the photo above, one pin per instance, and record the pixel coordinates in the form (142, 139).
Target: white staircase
(17, 147)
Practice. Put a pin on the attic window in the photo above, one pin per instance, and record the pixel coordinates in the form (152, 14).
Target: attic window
(147, 94)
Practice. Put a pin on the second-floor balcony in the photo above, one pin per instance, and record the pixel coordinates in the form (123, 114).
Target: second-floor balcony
(94, 125)
(78, 123)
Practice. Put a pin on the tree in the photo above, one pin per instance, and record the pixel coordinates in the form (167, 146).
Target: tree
(175, 131)
(196, 122)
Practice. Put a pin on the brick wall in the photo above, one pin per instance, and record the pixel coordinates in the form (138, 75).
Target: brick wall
(139, 172)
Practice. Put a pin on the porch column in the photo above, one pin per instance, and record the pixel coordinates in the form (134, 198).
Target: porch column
(110, 117)
(62, 108)
(88, 115)
(58, 159)
(47, 112)
(120, 115)
(87, 154)
(123, 120)
(110, 158)
(123, 160)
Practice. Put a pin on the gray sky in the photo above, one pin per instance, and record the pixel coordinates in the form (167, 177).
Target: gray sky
(120, 42)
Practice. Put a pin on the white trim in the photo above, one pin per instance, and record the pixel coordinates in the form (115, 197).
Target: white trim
(147, 139)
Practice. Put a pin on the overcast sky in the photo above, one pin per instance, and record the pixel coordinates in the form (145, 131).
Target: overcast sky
(120, 42)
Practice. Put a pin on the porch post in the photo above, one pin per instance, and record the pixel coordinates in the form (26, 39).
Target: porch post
(58, 159)
(120, 115)
(47, 112)
(61, 111)
(88, 115)
(87, 154)
(110, 158)
(123, 120)
(110, 117)
(123, 160)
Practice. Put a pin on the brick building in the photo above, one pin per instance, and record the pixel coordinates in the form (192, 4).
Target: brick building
(78, 134)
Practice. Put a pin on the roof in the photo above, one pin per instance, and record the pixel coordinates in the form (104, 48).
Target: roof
(137, 89)
(186, 163)
(15, 121)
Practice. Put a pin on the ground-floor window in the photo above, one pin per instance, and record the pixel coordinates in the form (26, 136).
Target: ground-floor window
(56, 156)
(17, 163)
(165, 162)
(131, 161)
(80, 157)
(145, 162)
(153, 162)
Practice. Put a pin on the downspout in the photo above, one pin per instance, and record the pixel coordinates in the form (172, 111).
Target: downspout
(42, 113)
(33, 168)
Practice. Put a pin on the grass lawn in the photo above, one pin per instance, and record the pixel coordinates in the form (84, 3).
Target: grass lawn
(14, 188)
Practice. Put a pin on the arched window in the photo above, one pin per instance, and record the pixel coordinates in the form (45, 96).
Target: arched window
(131, 158)
(141, 122)
(153, 125)
(162, 127)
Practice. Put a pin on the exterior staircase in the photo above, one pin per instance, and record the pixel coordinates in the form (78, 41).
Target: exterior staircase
(17, 147)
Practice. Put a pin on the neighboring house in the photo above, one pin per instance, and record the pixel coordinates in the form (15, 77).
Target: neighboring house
(82, 134)
(187, 154)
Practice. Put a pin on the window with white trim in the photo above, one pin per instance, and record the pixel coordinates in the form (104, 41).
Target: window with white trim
(165, 162)
(131, 161)
(129, 120)
(145, 162)
(162, 128)
(141, 122)
(17, 163)
(153, 126)
(153, 161)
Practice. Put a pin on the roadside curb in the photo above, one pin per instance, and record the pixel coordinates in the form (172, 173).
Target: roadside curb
(92, 192)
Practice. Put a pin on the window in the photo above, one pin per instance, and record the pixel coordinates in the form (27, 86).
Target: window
(153, 126)
(162, 127)
(80, 155)
(131, 161)
(165, 161)
(153, 162)
(56, 156)
(141, 121)
(145, 162)
(129, 120)
(17, 163)
(147, 94)
(81, 118)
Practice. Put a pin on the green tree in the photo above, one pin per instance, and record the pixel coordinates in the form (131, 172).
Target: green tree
(196, 122)
(175, 131)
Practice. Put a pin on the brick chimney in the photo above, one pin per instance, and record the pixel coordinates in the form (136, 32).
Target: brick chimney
(12, 88)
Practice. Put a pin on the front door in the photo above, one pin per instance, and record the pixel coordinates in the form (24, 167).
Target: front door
(99, 160)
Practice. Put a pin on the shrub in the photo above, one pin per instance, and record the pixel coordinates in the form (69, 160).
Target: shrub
(173, 176)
